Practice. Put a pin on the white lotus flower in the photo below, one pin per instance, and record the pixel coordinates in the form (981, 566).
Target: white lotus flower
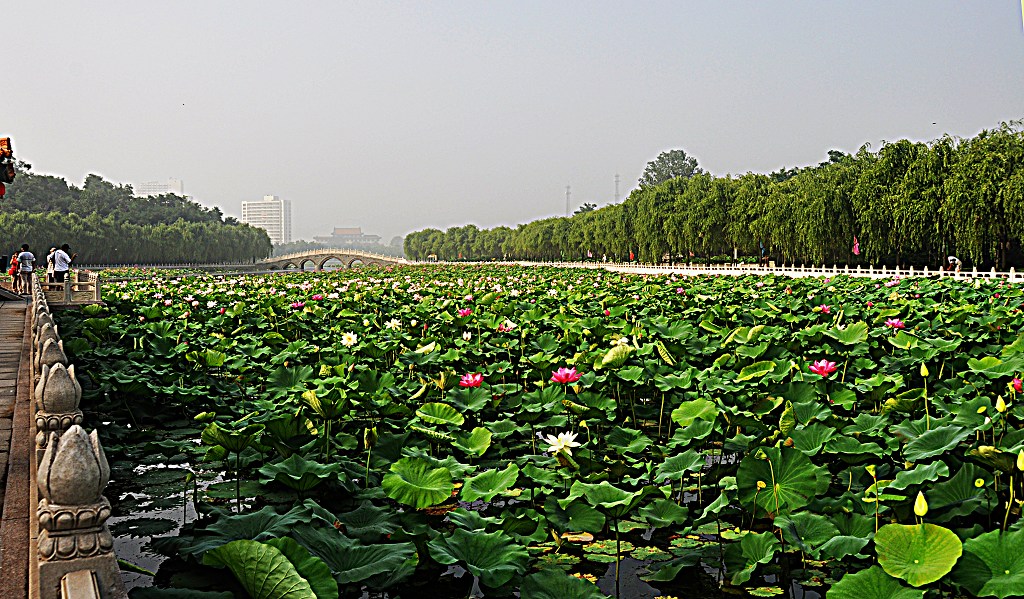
(349, 339)
(563, 442)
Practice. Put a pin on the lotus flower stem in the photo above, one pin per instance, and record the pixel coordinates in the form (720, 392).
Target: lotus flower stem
(1009, 504)
(661, 413)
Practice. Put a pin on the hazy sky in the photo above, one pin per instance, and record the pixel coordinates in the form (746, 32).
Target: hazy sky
(395, 116)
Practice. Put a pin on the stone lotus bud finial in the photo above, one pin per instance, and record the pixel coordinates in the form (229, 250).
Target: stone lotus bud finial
(57, 397)
(42, 320)
(73, 512)
(58, 391)
(52, 353)
(46, 331)
(74, 469)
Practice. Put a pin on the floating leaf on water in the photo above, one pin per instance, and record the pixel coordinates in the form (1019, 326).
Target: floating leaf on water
(919, 554)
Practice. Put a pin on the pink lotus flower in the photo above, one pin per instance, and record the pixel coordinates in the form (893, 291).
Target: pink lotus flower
(565, 375)
(895, 323)
(1017, 385)
(870, 304)
(607, 312)
(825, 309)
(823, 368)
(298, 305)
(471, 380)
(465, 311)
(222, 310)
(317, 297)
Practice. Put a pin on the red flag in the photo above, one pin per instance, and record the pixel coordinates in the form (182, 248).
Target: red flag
(856, 246)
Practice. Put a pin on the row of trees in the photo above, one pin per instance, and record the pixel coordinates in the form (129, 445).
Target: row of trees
(106, 224)
(907, 203)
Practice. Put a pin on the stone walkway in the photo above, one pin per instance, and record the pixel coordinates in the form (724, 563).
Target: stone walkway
(13, 498)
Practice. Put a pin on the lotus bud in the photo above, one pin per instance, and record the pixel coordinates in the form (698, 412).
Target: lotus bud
(920, 505)
(74, 469)
(1000, 404)
(369, 437)
(924, 370)
(1020, 460)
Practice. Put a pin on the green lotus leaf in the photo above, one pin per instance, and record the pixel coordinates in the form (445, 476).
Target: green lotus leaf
(676, 466)
(919, 554)
(872, 583)
(553, 583)
(368, 522)
(615, 357)
(232, 440)
(958, 496)
(852, 334)
(414, 482)
(741, 559)
(697, 409)
(263, 570)
(934, 442)
(904, 340)
(994, 368)
(806, 530)
(440, 413)
(810, 439)
(299, 473)
(611, 500)
(261, 525)
(286, 380)
(494, 557)
(664, 512)
(351, 562)
(789, 478)
(476, 443)
(489, 483)
(841, 546)
(627, 440)
(575, 517)
(992, 564)
(310, 567)
(755, 371)
(918, 475)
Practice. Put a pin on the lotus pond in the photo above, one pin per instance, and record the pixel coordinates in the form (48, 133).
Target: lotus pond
(499, 431)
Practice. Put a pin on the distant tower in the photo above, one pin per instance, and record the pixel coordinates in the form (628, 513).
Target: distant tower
(568, 193)
(273, 215)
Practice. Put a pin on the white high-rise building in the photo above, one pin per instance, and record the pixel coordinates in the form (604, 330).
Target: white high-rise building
(157, 188)
(272, 214)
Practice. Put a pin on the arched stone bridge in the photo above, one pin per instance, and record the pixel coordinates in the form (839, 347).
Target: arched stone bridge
(318, 258)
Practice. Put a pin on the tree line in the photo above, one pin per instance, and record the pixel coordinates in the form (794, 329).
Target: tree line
(906, 203)
(107, 224)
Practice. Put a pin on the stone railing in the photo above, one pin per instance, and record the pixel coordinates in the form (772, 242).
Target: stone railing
(79, 287)
(73, 556)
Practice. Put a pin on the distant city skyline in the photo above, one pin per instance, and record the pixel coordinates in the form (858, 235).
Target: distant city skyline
(399, 116)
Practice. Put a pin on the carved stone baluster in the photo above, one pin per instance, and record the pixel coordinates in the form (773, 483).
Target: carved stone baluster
(73, 513)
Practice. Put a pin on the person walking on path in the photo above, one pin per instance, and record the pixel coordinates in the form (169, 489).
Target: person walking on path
(26, 259)
(49, 265)
(62, 263)
(15, 275)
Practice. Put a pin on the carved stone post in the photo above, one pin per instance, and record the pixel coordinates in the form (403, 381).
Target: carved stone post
(73, 513)
(57, 396)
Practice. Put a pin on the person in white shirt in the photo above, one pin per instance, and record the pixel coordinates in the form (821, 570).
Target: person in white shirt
(62, 263)
(25, 260)
(954, 263)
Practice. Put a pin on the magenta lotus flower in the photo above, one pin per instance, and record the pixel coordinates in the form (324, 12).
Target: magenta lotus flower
(1017, 385)
(465, 311)
(317, 297)
(823, 368)
(565, 375)
(471, 380)
(825, 309)
(607, 312)
(297, 305)
(895, 323)
(870, 304)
